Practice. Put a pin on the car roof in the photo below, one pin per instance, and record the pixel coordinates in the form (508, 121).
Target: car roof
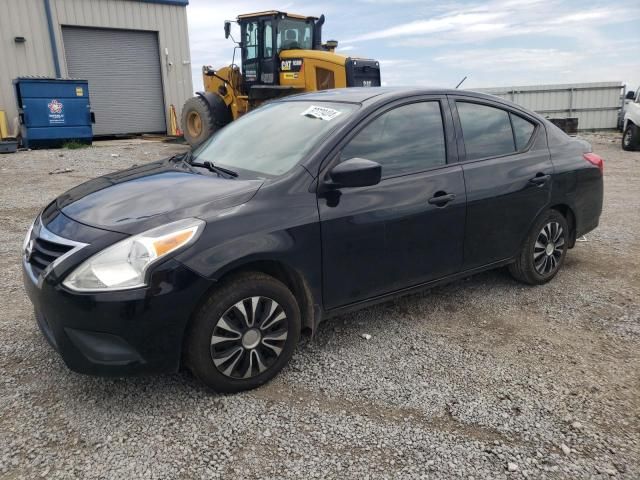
(366, 94)
(372, 97)
(376, 95)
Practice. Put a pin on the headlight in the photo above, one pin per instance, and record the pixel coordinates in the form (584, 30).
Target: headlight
(124, 264)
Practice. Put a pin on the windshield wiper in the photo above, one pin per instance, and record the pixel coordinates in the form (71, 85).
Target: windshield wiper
(217, 169)
(187, 158)
(184, 158)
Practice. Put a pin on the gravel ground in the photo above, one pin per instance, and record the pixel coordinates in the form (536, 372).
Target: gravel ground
(482, 378)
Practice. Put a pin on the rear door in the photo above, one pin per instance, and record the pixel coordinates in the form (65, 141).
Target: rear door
(396, 234)
(507, 170)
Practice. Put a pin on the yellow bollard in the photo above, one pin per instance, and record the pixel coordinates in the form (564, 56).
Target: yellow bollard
(4, 127)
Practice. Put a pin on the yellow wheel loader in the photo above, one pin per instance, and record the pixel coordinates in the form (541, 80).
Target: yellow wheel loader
(281, 54)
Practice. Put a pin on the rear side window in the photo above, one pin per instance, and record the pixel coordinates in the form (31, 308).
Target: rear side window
(486, 130)
(522, 131)
(406, 139)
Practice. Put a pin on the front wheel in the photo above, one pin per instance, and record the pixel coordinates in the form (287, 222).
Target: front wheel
(630, 137)
(543, 251)
(244, 334)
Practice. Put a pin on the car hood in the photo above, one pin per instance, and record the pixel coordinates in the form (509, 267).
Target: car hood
(130, 201)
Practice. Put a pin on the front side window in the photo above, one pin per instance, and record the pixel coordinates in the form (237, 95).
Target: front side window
(273, 138)
(486, 130)
(251, 40)
(407, 139)
(294, 34)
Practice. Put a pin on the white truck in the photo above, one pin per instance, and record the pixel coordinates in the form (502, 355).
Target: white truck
(631, 122)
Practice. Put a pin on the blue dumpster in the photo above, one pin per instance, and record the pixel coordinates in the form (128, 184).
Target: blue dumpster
(53, 111)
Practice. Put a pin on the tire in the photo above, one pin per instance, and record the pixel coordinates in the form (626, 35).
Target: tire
(534, 264)
(230, 362)
(631, 137)
(200, 120)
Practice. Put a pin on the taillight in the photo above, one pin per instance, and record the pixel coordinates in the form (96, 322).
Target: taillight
(596, 160)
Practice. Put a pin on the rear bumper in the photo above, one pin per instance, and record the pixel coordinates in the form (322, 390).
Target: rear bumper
(586, 228)
(120, 333)
(589, 201)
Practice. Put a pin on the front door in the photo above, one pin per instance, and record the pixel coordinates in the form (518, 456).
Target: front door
(507, 169)
(396, 234)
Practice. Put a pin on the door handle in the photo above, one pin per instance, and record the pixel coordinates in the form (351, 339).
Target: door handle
(540, 179)
(440, 199)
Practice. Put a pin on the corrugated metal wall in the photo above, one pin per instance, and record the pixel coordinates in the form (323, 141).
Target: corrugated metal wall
(22, 18)
(27, 18)
(596, 105)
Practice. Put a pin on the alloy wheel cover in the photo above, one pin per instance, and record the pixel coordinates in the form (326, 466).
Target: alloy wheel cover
(249, 337)
(549, 248)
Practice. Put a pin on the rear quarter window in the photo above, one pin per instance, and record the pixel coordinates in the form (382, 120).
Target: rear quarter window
(522, 131)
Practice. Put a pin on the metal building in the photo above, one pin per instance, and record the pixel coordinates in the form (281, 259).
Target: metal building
(596, 105)
(134, 53)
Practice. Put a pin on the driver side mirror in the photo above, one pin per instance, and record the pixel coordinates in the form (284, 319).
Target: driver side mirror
(355, 172)
(631, 95)
(227, 29)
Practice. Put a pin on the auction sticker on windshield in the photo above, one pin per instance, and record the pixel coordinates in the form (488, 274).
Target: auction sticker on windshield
(323, 113)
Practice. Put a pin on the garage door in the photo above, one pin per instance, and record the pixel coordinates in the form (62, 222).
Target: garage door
(125, 84)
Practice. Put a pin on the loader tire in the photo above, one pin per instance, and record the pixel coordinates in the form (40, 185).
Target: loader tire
(200, 120)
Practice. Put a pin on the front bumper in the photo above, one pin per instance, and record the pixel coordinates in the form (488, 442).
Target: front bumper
(117, 333)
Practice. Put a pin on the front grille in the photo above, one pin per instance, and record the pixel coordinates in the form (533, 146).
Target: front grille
(44, 253)
(44, 250)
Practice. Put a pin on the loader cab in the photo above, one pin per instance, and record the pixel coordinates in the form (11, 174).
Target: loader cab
(264, 35)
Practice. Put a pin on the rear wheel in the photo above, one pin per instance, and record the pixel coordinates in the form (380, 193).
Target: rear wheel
(244, 334)
(544, 250)
(631, 137)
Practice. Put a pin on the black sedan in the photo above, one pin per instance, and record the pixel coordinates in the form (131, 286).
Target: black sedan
(307, 207)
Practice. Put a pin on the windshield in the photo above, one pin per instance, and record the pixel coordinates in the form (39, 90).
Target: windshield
(294, 34)
(273, 138)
